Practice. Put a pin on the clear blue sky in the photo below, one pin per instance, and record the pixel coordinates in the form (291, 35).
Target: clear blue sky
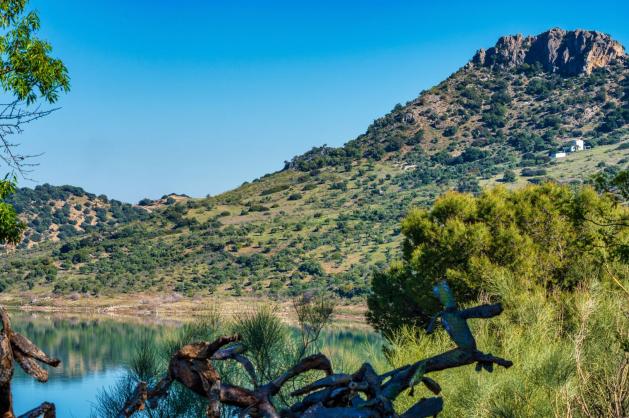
(198, 96)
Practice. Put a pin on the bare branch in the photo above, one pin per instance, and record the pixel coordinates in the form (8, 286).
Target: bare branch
(13, 117)
(46, 410)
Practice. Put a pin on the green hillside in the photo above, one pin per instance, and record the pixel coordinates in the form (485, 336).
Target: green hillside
(332, 214)
(55, 213)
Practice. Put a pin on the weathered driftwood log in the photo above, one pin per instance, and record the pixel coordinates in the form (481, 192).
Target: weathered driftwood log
(14, 346)
(359, 395)
(192, 367)
(46, 410)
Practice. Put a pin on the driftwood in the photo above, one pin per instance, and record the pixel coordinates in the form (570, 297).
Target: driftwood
(14, 346)
(361, 394)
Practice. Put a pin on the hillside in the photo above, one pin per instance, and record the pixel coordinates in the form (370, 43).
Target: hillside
(332, 214)
(55, 213)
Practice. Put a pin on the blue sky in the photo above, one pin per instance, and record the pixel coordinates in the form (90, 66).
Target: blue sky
(198, 96)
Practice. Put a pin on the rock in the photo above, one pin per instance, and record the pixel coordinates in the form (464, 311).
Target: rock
(565, 52)
(409, 118)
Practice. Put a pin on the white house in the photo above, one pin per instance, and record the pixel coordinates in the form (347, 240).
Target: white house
(577, 145)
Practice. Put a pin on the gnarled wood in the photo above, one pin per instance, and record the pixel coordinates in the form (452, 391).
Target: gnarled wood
(26, 346)
(46, 410)
(363, 394)
(14, 346)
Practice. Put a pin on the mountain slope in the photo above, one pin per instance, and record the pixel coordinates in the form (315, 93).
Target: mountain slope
(54, 213)
(332, 214)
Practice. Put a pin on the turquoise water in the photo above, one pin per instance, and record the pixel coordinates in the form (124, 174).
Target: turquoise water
(93, 354)
(73, 396)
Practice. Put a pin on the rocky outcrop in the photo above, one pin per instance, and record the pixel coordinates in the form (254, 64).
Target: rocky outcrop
(565, 52)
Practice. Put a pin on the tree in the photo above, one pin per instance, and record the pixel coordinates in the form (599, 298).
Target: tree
(613, 182)
(11, 227)
(549, 234)
(29, 75)
(509, 176)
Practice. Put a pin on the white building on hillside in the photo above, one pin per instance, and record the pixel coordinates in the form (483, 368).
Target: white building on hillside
(577, 145)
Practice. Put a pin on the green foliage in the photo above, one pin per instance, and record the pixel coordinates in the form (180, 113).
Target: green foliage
(509, 176)
(27, 73)
(539, 87)
(570, 354)
(28, 70)
(274, 189)
(311, 267)
(266, 339)
(615, 182)
(532, 172)
(46, 205)
(550, 235)
(261, 240)
(11, 227)
(450, 131)
(313, 313)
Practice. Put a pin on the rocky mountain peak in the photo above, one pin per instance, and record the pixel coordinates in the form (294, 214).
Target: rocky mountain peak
(565, 52)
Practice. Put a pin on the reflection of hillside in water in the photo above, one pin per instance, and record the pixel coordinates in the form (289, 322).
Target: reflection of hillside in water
(84, 345)
(88, 344)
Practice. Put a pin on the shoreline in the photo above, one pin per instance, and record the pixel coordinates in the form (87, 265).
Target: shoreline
(159, 307)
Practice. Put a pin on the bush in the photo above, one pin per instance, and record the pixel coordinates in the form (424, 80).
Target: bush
(274, 189)
(257, 208)
(551, 235)
(312, 267)
(450, 131)
(509, 176)
(531, 172)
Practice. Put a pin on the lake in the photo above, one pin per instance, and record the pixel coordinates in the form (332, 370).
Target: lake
(94, 352)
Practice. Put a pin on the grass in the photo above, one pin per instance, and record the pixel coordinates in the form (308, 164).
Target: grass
(570, 353)
(576, 166)
(585, 163)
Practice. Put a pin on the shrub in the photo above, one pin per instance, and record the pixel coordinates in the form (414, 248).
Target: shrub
(531, 172)
(274, 189)
(312, 267)
(450, 131)
(549, 234)
(509, 176)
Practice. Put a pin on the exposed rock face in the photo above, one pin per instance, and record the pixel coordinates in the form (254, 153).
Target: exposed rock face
(565, 52)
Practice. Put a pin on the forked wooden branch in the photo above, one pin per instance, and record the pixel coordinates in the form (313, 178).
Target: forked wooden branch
(361, 394)
(16, 347)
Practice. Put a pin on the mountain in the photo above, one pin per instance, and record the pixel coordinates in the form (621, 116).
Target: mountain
(558, 51)
(332, 214)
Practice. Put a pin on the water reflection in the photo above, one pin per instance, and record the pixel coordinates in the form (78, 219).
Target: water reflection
(94, 350)
(84, 345)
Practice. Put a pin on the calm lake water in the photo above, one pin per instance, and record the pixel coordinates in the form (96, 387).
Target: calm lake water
(94, 352)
